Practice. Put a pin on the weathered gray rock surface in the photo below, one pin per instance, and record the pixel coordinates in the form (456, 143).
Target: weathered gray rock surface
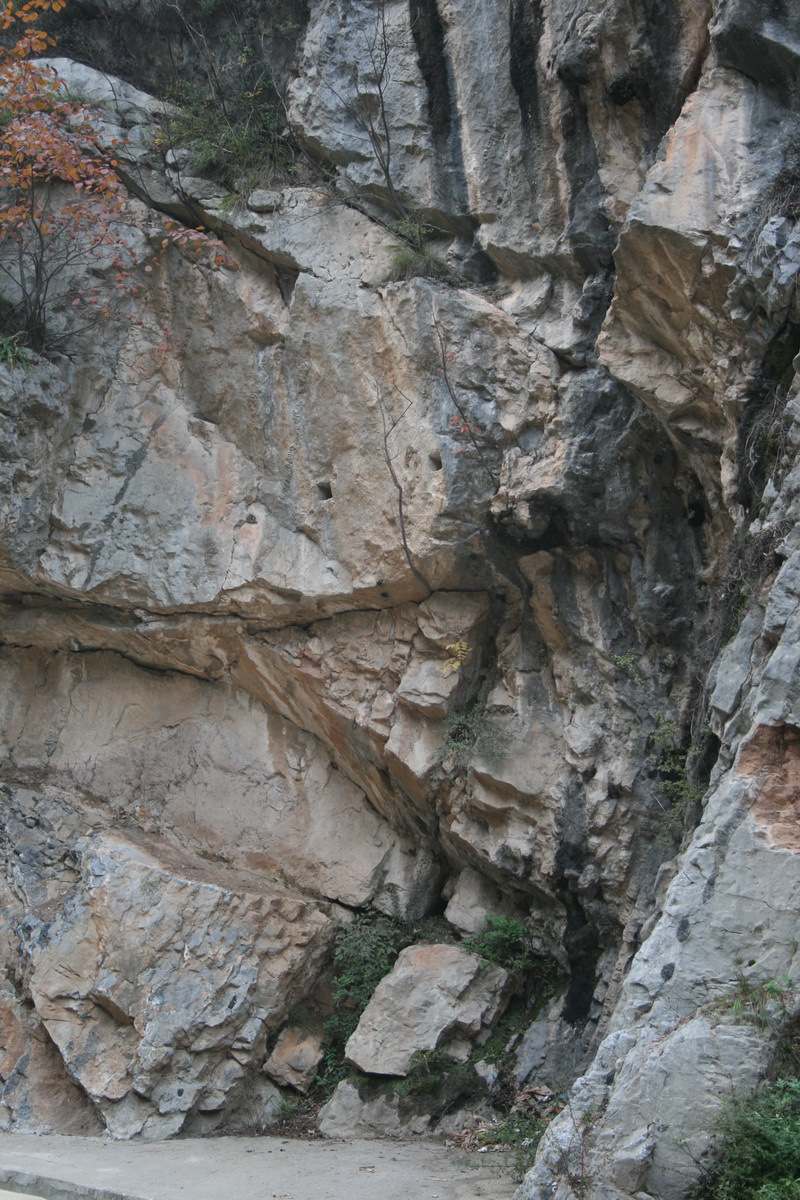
(273, 550)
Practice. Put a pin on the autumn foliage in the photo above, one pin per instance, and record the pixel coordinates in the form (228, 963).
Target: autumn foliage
(64, 215)
(61, 204)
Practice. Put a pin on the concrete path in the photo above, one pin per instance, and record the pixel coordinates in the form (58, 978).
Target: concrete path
(71, 1168)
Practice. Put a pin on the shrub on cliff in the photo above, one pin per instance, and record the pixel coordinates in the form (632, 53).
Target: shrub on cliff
(760, 1148)
(470, 733)
(504, 941)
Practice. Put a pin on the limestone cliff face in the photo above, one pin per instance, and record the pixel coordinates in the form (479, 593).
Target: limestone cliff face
(241, 535)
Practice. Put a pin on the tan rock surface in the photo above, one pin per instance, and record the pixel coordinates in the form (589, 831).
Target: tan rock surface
(431, 995)
(231, 778)
(295, 1058)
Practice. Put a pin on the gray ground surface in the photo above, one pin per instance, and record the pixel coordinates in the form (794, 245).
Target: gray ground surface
(70, 1168)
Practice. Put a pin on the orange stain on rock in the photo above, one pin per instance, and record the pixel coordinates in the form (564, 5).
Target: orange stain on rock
(773, 755)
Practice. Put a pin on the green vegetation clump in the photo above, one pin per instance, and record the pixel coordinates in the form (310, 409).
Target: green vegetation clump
(503, 941)
(759, 1002)
(680, 786)
(436, 1075)
(513, 1023)
(225, 63)
(628, 663)
(232, 122)
(230, 88)
(760, 1147)
(12, 350)
(407, 263)
(365, 951)
(412, 257)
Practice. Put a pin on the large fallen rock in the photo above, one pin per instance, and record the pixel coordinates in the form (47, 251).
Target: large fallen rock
(474, 897)
(439, 1099)
(432, 994)
(347, 1115)
(159, 980)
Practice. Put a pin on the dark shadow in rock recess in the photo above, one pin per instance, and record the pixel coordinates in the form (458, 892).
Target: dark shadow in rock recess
(450, 187)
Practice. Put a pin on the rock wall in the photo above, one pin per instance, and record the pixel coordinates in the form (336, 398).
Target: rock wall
(243, 531)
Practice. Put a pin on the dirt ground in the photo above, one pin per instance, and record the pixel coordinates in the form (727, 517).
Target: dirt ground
(70, 1168)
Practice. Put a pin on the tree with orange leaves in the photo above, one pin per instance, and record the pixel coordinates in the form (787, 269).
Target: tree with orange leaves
(64, 216)
(61, 204)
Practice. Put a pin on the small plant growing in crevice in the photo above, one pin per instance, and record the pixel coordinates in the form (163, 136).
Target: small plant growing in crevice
(417, 264)
(627, 662)
(761, 1002)
(458, 653)
(414, 231)
(411, 255)
(474, 731)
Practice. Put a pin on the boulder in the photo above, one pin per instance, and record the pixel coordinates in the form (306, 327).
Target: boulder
(347, 1115)
(295, 1059)
(159, 979)
(474, 897)
(432, 994)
